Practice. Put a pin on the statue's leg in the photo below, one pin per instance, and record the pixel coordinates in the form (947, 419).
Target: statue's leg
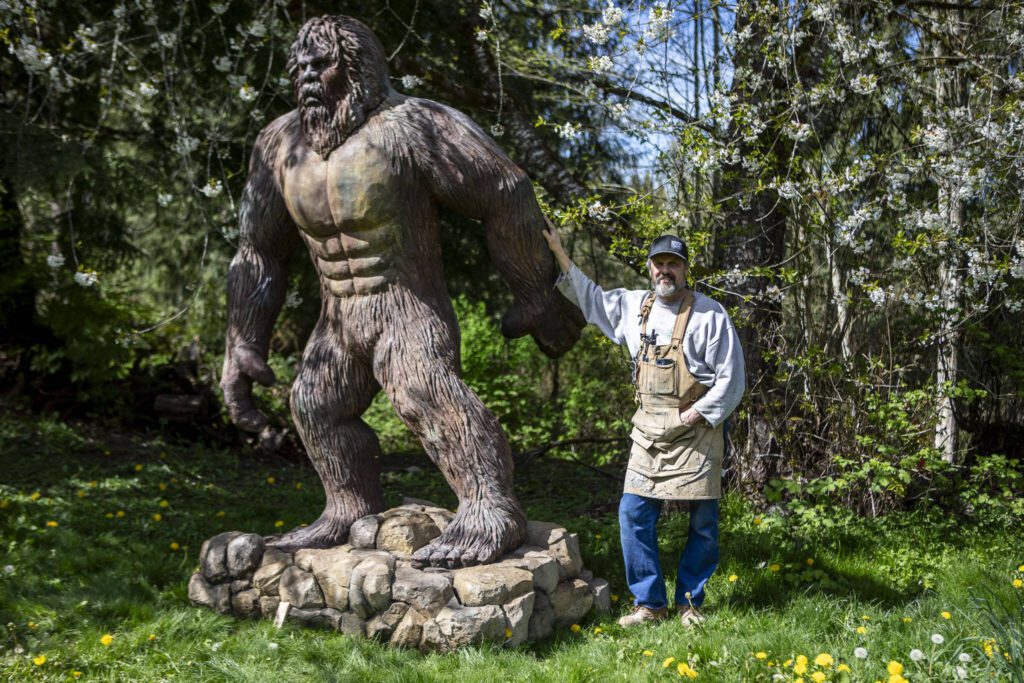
(419, 370)
(330, 392)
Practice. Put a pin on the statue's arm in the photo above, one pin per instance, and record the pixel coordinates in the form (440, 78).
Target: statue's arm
(257, 283)
(471, 175)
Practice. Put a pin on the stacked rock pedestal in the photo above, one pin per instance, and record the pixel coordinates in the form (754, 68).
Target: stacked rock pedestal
(368, 587)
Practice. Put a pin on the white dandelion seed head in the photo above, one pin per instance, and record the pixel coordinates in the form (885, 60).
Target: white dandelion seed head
(964, 657)
(938, 639)
(916, 655)
(860, 653)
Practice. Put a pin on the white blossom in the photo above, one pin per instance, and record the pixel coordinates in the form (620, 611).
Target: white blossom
(8, 569)
(185, 144)
(481, 35)
(599, 212)
(272, 646)
(293, 300)
(600, 64)
(797, 131)
(497, 130)
(86, 278)
(410, 81)
(916, 655)
(147, 89)
(787, 190)
(864, 84)
(612, 15)
(596, 33)
(167, 40)
(486, 11)
(55, 261)
(938, 639)
(213, 188)
(568, 131)
(34, 59)
(222, 64)
(877, 296)
(935, 138)
(247, 93)
(256, 29)
(658, 19)
(219, 8)
(215, 646)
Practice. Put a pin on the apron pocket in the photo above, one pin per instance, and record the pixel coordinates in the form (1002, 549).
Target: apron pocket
(658, 378)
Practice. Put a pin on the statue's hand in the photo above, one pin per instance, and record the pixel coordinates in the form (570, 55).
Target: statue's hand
(555, 328)
(242, 366)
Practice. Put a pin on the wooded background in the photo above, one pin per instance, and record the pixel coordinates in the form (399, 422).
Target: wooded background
(848, 176)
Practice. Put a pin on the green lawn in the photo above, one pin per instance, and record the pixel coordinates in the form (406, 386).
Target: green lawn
(100, 530)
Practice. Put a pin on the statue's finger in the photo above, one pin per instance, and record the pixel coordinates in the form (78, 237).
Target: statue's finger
(513, 325)
(252, 364)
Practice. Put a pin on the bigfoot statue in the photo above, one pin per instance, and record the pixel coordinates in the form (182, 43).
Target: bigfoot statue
(358, 172)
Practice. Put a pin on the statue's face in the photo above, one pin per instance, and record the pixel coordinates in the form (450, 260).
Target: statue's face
(319, 79)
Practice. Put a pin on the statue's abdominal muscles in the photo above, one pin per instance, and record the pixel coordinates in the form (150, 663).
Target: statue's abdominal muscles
(347, 210)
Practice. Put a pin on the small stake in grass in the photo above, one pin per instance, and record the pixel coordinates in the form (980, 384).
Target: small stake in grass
(282, 614)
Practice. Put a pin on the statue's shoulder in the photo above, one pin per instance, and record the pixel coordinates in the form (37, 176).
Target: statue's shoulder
(283, 128)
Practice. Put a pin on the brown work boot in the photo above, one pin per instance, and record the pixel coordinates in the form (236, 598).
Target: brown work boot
(689, 616)
(643, 615)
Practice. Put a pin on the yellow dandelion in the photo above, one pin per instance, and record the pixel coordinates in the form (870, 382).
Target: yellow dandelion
(138, 468)
(51, 524)
(298, 486)
(862, 630)
(93, 484)
(787, 663)
(106, 639)
(843, 667)
(119, 514)
(810, 561)
(801, 659)
(907, 620)
(109, 515)
(36, 495)
(668, 662)
(279, 523)
(598, 631)
(575, 628)
(174, 480)
(988, 645)
(271, 480)
(800, 668)
(897, 679)
(1020, 568)
(175, 546)
(157, 517)
(774, 566)
(162, 486)
(798, 680)
(1017, 583)
(647, 653)
(82, 494)
(508, 633)
(946, 615)
(220, 513)
(76, 674)
(164, 503)
(733, 578)
(757, 520)
(760, 655)
(32, 625)
(106, 453)
(615, 598)
(824, 659)
(818, 677)
(685, 670)
(865, 617)
(40, 660)
(152, 637)
(597, 535)
(894, 668)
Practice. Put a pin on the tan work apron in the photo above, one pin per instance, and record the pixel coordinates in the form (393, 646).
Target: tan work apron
(669, 460)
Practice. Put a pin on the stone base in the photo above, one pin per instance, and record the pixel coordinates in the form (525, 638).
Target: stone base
(368, 587)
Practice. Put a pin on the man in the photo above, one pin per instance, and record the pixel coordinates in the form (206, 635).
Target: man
(358, 173)
(689, 376)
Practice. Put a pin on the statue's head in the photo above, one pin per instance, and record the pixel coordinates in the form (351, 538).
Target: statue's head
(340, 75)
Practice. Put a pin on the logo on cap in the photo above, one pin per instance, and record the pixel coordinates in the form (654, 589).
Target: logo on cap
(677, 244)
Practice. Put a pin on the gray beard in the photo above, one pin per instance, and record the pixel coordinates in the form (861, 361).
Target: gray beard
(666, 290)
(324, 130)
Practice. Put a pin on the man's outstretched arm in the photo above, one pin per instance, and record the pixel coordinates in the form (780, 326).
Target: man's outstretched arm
(257, 282)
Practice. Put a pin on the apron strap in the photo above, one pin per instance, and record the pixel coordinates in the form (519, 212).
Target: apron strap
(682, 319)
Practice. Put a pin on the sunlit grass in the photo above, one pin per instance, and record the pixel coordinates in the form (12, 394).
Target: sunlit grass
(102, 592)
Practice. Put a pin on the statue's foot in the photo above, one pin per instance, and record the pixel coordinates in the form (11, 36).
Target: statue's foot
(326, 532)
(480, 533)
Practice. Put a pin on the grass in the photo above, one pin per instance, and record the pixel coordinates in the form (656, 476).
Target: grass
(84, 556)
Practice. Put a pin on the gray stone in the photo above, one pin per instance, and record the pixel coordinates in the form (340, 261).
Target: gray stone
(587, 575)
(326, 618)
(246, 603)
(363, 533)
(205, 594)
(369, 588)
(571, 601)
(383, 625)
(403, 532)
(313, 560)
(517, 614)
(409, 630)
(268, 606)
(239, 585)
(333, 571)
(418, 503)
(244, 554)
(427, 592)
(442, 518)
(300, 588)
(213, 556)
(456, 626)
(563, 546)
(268, 577)
(602, 594)
(273, 555)
(352, 625)
(491, 584)
(546, 571)
(542, 621)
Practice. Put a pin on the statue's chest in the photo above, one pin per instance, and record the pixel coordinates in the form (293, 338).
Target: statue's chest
(354, 189)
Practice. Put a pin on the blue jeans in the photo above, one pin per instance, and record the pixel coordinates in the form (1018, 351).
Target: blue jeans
(638, 518)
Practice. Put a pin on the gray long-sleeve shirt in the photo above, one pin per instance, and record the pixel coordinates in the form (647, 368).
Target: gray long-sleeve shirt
(710, 344)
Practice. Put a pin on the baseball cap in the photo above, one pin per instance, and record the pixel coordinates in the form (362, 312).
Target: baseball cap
(669, 244)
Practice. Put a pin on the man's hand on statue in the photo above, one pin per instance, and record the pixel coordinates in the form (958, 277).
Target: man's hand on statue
(690, 417)
(554, 241)
(243, 366)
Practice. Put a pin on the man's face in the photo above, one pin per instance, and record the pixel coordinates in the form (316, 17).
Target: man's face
(668, 275)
